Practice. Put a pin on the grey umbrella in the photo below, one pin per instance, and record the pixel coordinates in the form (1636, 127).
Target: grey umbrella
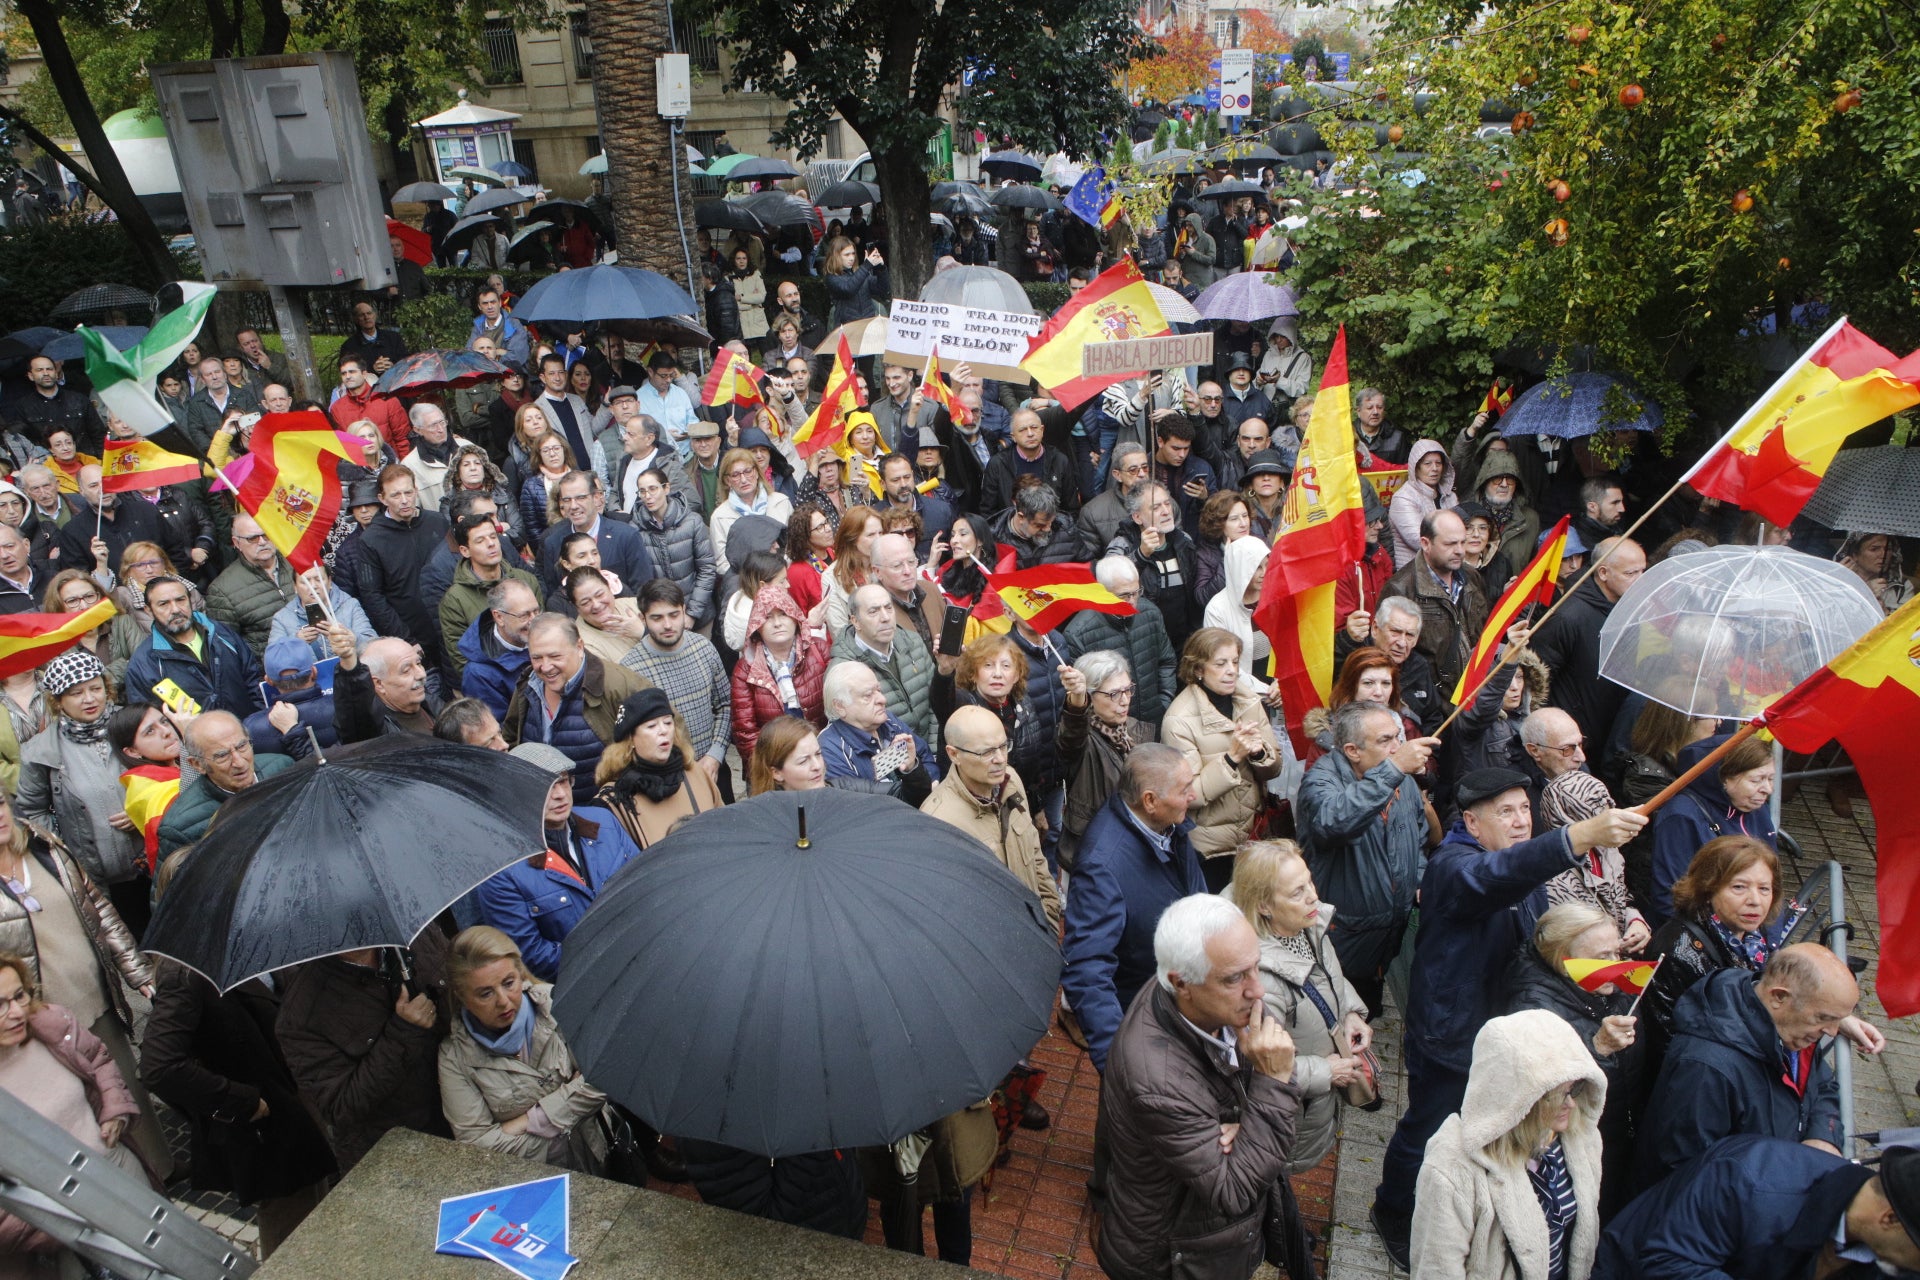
(762, 169)
(421, 193)
(1022, 197)
(493, 201)
(1870, 491)
(96, 299)
(984, 287)
(806, 971)
(957, 199)
(1580, 404)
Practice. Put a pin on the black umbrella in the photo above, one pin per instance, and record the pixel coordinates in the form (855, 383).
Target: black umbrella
(550, 209)
(24, 344)
(1232, 188)
(1870, 490)
(847, 192)
(1012, 164)
(782, 209)
(958, 199)
(98, 298)
(422, 193)
(462, 233)
(681, 331)
(727, 215)
(1021, 197)
(494, 201)
(761, 169)
(778, 994)
(362, 849)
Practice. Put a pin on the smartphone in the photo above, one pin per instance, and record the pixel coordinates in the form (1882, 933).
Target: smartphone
(174, 698)
(316, 616)
(953, 629)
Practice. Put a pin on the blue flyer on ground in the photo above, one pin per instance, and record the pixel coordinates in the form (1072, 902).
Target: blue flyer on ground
(541, 1207)
(516, 1247)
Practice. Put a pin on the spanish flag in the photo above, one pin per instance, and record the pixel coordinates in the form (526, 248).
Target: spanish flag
(1631, 976)
(29, 639)
(1497, 400)
(1114, 307)
(935, 388)
(734, 381)
(150, 790)
(1534, 585)
(827, 425)
(294, 487)
(1048, 594)
(1771, 460)
(142, 464)
(1323, 534)
(1866, 698)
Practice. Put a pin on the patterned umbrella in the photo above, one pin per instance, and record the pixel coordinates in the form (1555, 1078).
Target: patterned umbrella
(1870, 491)
(1579, 404)
(98, 298)
(1175, 308)
(437, 371)
(1248, 296)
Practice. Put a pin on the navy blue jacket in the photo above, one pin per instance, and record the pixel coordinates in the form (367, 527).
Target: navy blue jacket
(229, 679)
(849, 752)
(1475, 908)
(315, 708)
(623, 551)
(492, 669)
(1724, 1074)
(1753, 1207)
(1120, 886)
(538, 908)
(1692, 818)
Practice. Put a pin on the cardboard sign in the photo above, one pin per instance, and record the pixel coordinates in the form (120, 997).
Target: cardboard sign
(1135, 355)
(993, 342)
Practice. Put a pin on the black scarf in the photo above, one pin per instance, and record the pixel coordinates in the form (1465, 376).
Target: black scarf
(437, 454)
(656, 782)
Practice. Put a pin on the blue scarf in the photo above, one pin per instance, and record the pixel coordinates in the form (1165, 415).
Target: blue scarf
(512, 1042)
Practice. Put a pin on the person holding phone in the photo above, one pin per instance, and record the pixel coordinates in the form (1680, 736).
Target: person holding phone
(855, 283)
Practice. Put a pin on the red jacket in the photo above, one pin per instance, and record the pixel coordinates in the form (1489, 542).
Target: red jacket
(383, 412)
(1372, 572)
(756, 698)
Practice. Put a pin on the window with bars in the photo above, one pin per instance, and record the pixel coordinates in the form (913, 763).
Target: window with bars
(698, 42)
(503, 52)
(582, 45)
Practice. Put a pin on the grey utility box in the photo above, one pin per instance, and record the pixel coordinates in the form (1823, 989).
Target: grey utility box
(276, 169)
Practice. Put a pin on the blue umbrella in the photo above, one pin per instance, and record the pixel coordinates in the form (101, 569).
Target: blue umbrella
(604, 293)
(513, 169)
(1579, 404)
(22, 343)
(71, 346)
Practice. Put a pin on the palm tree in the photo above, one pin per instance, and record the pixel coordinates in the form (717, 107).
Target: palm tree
(627, 36)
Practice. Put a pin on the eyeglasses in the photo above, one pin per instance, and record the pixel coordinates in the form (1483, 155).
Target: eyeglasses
(1118, 695)
(78, 602)
(519, 615)
(225, 754)
(249, 538)
(991, 753)
(740, 473)
(1211, 399)
(21, 998)
(1128, 595)
(1571, 747)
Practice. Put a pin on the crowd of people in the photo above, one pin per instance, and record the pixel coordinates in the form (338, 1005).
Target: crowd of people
(670, 609)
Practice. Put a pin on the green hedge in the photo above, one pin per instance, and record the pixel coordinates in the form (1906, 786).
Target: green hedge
(44, 262)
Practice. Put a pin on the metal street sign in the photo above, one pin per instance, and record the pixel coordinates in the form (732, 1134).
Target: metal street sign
(1236, 82)
(1135, 355)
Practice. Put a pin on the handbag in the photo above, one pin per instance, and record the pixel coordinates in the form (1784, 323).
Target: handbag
(625, 1163)
(1289, 1243)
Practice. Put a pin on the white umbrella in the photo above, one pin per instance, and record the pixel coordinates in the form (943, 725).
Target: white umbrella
(1175, 308)
(864, 337)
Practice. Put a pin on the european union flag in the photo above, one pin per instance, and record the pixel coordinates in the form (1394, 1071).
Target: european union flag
(1094, 199)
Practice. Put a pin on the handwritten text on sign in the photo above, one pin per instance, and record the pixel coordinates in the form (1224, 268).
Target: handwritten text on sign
(972, 334)
(1104, 359)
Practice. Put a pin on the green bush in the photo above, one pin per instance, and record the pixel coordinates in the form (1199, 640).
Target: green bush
(437, 322)
(45, 262)
(1046, 296)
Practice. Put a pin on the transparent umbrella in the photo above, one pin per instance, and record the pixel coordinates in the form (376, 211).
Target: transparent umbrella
(1722, 633)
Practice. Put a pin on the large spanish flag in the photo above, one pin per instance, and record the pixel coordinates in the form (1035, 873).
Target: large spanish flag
(1772, 459)
(1116, 305)
(293, 489)
(1048, 594)
(1868, 698)
(828, 422)
(142, 464)
(1534, 585)
(1323, 534)
(29, 639)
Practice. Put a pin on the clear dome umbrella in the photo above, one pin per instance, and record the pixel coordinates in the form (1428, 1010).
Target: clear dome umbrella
(1724, 632)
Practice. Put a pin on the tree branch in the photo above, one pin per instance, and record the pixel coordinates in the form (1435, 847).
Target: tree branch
(52, 148)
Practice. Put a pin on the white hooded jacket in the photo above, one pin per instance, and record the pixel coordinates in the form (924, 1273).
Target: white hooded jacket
(1245, 559)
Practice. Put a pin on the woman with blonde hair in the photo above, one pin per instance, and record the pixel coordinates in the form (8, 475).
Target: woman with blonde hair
(1510, 1188)
(1305, 990)
(552, 461)
(855, 286)
(852, 565)
(72, 591)
(744, 481)
(508, 1081)
(647, 776)
(1222, 728)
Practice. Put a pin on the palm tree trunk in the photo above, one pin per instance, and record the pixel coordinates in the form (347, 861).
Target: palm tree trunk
(110, 179)
(642, 163)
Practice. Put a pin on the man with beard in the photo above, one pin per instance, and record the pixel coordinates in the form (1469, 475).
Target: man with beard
(188, 653)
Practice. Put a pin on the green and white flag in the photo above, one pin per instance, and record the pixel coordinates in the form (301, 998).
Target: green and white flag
(125, 380)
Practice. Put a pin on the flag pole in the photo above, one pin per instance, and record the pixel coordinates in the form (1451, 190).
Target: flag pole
(1706, 762)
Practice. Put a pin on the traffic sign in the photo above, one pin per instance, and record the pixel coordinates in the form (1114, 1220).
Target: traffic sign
(1136, 355)
(1236, 82)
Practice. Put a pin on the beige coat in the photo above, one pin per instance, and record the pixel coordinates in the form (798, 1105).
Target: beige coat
(1478, 1219)
(1284, 973)
(1230, 794)
(1006, 829)
(479, 1091)
(650, 821)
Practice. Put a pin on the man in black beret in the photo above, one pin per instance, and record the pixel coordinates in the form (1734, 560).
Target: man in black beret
(1484, 888)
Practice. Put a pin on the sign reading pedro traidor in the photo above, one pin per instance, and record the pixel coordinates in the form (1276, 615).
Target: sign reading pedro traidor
(1134, 355)
(993, 342)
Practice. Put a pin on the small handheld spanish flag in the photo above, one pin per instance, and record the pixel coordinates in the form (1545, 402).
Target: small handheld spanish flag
(734, 381)
(1497, 400)
(827, 425)
(1048, 594)
(1535, 584)
(1630, 976)
(141, 464)
(935, 388)
(150, 790)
